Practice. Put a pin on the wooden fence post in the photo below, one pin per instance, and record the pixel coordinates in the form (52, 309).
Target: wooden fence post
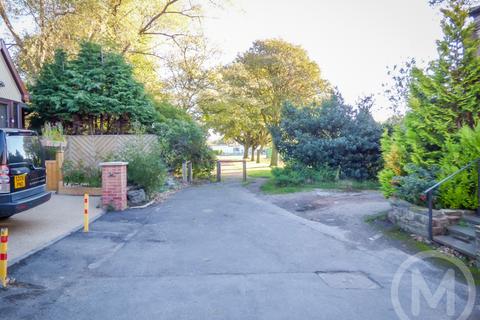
(184, 171)
(219, 171)
(59, 157)
(244, 171)
(190, 172)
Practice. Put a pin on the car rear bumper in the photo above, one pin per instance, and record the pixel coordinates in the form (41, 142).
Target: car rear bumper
(10, 208)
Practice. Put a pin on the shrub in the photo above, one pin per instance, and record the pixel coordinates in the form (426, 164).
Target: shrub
(53, 132)
(386, 179)
(411, 186)
(146, 168)
(80, 174)
(295, 175)
(92, 92)
(331, 135)
(461, 191)
(394, 159)
(183, 140)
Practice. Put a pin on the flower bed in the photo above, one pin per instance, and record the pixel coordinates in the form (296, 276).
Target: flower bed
(78, 190)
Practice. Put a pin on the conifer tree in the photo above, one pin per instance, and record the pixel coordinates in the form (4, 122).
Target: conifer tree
(446, 96)
(93, 93)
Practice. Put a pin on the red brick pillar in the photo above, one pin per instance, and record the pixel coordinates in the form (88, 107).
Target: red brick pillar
(114, 185)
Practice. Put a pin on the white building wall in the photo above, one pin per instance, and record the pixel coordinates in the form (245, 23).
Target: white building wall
(10, 90)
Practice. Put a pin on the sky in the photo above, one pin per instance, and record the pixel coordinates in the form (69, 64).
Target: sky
(353, 41)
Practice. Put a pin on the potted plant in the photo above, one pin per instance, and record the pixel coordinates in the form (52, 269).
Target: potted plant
(52, 136)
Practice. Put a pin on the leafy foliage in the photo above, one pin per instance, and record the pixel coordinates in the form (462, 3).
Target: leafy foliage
(331, 135)
(182, 140)
(461, 191)
(136, 28)
(81, 174)
(441, 126)
(394, 158)
(298, 175)
(146, 168)
(445, 97)
(411, 186)
(93, 93)
(231, 110)
(248, 94)
(53, 132)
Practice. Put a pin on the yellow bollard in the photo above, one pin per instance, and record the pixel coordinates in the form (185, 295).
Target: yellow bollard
(85, 212)
(3, 256)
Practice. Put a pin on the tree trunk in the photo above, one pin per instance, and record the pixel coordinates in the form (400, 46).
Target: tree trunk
(259, 153)
(253, 153)
(274, 158)
(245, 151)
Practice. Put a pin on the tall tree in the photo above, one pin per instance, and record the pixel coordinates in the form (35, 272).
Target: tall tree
(446, 96)
(139, 29)
(188, 73)
(231, 110)
(281, 72)
(93, 93)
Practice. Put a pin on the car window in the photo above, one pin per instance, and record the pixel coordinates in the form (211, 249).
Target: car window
(24, 149)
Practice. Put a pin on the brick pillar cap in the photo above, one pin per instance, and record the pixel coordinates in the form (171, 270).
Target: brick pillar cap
(113, 163)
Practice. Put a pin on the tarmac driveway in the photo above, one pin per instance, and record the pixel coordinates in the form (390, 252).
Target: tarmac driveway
(210, 252)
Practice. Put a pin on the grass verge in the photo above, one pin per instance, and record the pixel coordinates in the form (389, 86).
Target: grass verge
(261, 173)
(270, 187)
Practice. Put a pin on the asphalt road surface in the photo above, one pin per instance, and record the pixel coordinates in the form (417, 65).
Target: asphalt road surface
(213, 252)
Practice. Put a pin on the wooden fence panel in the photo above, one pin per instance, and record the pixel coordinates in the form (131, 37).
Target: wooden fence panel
(52, 175)
(93, 149)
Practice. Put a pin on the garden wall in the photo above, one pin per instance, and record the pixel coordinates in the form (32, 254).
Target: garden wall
(414, 219)
(93, 149)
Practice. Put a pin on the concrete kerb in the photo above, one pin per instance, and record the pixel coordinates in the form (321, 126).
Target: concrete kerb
(49, 243)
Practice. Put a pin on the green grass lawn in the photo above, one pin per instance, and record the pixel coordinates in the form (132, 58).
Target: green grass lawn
(261, 173)
(269, 186)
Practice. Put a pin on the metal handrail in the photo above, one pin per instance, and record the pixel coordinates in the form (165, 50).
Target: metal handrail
(429, 193)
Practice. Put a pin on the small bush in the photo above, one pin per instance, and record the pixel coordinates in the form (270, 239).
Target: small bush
(411, 186)
(182, 140)
(296, 175)
(79, 174)
(146, 169)
(387, 182)
(53, 132)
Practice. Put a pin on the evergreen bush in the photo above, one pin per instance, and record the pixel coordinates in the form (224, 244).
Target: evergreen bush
(331, 135)
(94, 92)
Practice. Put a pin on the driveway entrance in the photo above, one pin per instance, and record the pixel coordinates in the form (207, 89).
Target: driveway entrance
(210, 252)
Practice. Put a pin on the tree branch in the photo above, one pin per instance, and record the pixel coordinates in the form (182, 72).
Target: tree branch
(6, 19)
(149, 24)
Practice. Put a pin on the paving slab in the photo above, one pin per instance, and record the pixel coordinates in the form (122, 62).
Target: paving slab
(33, 229)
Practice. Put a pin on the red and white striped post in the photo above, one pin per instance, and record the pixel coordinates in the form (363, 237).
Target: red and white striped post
(3, 255)
(85, 212)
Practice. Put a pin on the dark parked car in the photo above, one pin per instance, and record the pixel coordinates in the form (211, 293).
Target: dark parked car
(22, 171)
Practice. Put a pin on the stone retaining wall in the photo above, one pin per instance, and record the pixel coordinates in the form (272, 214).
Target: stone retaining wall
(414, 219)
